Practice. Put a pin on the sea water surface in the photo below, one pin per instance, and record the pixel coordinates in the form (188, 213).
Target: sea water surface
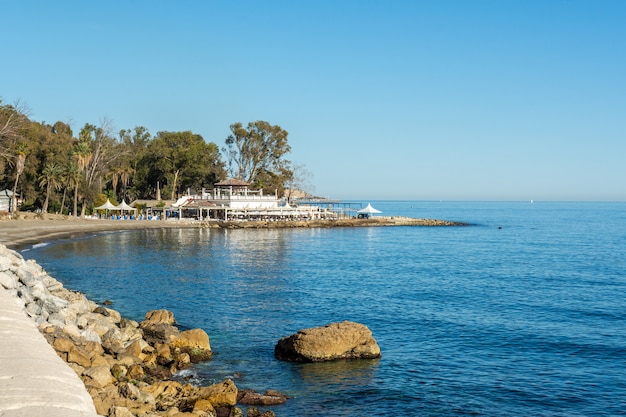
(522, 313)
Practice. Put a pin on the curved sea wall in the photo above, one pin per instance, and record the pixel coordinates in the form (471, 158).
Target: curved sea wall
(34, 380)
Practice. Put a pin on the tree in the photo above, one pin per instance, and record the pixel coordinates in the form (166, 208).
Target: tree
(12, 121)
(259, 147)
(20, 161)
(51, 179)
(12, 146)
(298, 180)
(95, 152)
(73, 177)
(134, 143)
(182, 160)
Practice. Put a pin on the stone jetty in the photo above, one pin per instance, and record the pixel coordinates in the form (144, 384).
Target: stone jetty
(350, 222)
(64, 355)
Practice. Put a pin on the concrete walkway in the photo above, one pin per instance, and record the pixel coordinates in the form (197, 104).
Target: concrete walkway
(34, 381)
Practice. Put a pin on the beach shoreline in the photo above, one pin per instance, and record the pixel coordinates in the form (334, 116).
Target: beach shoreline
(27, 231)
(30, 228)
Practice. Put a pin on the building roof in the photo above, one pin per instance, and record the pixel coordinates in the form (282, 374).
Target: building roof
(152, 203)
(234, 182)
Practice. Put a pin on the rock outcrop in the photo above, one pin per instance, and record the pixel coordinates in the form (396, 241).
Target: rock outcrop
(125, 366)
(343, 340)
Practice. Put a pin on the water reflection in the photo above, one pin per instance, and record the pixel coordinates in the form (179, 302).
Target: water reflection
(340, 374)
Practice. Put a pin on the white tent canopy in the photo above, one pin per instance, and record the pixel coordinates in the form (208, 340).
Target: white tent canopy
(107, 206)
(369, 210)
(125, 207)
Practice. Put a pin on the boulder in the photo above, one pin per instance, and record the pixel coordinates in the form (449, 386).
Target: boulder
(195, 343)
(8, 281)
(204, 406)
(120, 412)
(159, 332)
(250, 397)
(158, 327)
(98, 376)
(193, 339)
(61, 344)
(164, 354)
(223, 394)
(254, 412)
(163, 389)
(5, 259)
(343, 340)
(159, 317)
(80, 357)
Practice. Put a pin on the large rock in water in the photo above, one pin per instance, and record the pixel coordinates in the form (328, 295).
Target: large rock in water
(344, 340)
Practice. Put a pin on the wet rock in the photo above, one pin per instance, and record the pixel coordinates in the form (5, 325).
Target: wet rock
(344, 340)
(220, 395)
(254, 412)
(235, 412)
(183, 361)
(250, 397)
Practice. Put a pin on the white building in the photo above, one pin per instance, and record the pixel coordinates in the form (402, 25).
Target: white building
(232, 199)
(5, 200)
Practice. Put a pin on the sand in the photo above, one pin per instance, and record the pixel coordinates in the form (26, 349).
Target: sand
(32, 229)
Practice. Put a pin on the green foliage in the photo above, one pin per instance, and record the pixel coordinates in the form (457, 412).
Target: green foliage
(50, 179)
(51, 169)
(256, 152)
(181, 160)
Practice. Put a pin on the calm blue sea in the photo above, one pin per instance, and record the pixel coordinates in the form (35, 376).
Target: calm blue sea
(522, 313)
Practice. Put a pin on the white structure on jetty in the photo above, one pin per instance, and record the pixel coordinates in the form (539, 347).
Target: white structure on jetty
(232, 199)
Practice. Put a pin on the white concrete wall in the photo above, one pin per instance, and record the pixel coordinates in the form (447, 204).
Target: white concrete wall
(34, 381)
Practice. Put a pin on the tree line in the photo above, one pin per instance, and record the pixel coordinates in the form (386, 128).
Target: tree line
(54, 169)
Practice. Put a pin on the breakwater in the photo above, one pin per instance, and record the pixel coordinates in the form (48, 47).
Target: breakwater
(33, 379)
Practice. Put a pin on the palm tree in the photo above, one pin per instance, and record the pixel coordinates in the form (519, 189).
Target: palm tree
(72, 176)
(82, 151)
(20, 160)
(51, 179)
(125, 176)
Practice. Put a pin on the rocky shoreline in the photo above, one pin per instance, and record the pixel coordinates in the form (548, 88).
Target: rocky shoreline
(126, 366)
(371, 222)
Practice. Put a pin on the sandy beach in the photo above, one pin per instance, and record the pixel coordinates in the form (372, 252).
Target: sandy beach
(29, 229)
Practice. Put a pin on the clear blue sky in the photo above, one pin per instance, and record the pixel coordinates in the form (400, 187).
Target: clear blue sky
(426, 100)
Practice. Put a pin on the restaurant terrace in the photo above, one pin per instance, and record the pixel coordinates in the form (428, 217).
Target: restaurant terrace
(234, 200)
